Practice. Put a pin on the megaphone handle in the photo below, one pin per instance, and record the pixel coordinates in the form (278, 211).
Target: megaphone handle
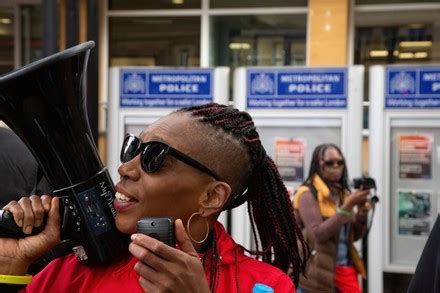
(9, 229)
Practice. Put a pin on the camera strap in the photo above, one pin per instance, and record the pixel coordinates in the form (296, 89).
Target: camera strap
(312, 189)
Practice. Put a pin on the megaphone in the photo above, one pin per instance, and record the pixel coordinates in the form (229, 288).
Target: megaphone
(44, 103)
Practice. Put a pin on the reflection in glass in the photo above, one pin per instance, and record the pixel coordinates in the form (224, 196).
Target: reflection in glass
(156, 4)
(31, 33)
(256, 3)
(409, 44)
(272, 40)
(404, 37)
(6, 40)
(410, 37)
(364, 2)
(154, 41)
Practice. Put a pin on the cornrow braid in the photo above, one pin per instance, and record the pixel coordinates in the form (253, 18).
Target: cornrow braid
(269, 206)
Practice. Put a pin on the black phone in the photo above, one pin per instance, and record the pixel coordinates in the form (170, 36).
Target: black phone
(160, 228)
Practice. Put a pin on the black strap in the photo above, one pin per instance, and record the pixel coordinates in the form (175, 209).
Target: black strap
(10, 288)
(62, 249)
(312, 189)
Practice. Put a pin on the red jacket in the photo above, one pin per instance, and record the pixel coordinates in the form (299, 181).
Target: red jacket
(67, 275)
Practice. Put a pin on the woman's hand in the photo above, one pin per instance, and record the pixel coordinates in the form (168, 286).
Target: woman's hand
(362, 212)
(358, 197)
(165, 269)
(17, 254)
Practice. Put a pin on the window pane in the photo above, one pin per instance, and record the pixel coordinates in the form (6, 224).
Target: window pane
(158, 41)
(406, 37)
(6, 40)
(411, 37)
(358, 2)
(31, 32)
(156, 4)
(251, 40)
(256, 3)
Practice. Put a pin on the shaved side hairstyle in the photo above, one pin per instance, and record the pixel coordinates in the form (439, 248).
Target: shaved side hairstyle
(230, 136)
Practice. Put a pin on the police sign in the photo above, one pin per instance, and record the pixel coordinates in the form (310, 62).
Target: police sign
(412, 87)
(297, 88)
(165, 88)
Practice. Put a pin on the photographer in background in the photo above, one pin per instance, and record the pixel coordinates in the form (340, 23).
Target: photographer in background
(331, 218)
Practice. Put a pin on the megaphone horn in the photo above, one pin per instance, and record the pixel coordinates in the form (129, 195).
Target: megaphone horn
(44, 103)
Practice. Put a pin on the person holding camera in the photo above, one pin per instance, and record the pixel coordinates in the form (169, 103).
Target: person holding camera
(332, 218)
(190, 165)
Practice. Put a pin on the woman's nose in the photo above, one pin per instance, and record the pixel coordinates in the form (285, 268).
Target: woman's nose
(131, 169)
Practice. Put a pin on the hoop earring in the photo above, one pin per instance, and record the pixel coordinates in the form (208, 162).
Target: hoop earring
(189, 231)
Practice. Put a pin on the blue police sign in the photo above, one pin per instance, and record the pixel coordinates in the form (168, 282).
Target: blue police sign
(297, 88)
(165, 88)
(412, 87)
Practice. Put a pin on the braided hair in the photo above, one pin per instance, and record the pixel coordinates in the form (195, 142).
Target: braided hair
(315, 167)
(257, 181)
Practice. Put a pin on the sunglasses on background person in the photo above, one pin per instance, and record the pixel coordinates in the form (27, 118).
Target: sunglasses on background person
(331, 163)
(153, 154)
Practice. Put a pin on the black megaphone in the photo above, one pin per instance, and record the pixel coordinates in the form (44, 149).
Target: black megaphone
(44, 103)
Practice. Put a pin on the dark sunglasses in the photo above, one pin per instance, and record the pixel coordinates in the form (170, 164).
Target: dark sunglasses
(331, 163)
(153, 154)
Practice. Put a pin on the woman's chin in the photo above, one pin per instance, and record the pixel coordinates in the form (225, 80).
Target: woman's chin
(125, 227)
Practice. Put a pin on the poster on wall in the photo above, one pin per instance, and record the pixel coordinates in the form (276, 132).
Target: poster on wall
(289, 158)
(415, 156)
(414, 212)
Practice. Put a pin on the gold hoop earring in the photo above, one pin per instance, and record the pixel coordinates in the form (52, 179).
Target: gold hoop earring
(189, 231)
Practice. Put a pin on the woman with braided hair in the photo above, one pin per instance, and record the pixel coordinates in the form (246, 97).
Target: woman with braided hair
(190, 165)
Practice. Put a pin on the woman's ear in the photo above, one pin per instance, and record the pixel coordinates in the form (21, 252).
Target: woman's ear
(215, 197)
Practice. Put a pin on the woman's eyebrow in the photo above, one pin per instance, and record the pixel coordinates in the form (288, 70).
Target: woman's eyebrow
(152, 138)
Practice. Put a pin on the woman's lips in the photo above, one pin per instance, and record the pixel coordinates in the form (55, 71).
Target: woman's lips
(121, 206)
(122, 201)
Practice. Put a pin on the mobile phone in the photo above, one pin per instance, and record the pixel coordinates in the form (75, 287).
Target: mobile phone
(160, 228)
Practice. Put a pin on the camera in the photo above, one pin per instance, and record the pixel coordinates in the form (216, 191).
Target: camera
(365, 182)
(160, 228)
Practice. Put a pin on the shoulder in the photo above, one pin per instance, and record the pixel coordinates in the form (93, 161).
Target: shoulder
(299, 193)
(67, 274)
(57, 271)
(63, 263)
(261, 272)
(8, 137)
(305, 197)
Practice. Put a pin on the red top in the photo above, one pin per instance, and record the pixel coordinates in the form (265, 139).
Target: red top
(67, 275)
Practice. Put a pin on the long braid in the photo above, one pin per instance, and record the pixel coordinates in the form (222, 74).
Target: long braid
(270, 209)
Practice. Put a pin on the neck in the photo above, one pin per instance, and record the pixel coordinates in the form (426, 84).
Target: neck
(204, 247)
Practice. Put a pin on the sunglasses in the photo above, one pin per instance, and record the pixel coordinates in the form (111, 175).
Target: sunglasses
(153, 154)
(331, 163)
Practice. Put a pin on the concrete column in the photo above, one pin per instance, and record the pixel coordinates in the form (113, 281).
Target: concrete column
(328, 32)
